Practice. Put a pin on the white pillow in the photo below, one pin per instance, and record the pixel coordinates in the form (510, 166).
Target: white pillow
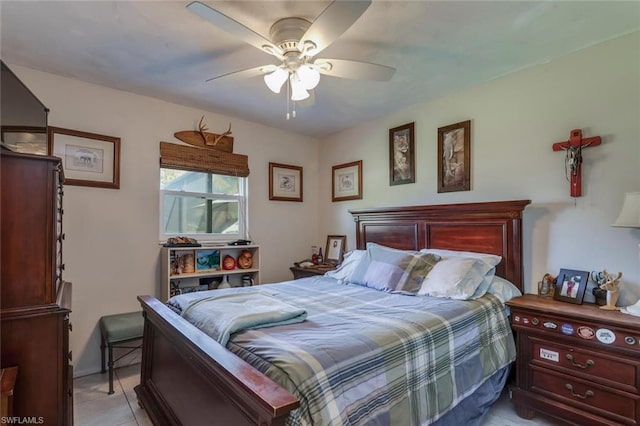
(491, 259)
(456, 278)
(484, 285)
(350, 262)
(503, 289)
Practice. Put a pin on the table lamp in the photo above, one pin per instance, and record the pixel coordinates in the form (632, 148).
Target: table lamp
(630, 214)
(629, 217)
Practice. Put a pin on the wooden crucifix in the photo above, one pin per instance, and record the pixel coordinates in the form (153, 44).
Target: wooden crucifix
(573, 160)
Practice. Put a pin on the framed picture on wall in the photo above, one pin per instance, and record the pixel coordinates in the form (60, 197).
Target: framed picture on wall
(88, 159)
(285, 182)
(454, 157)
(402, 167)
(346, 181)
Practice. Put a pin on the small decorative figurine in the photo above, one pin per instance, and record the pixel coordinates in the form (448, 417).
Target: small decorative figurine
(245, 260)
(609, 283)
(228, 263)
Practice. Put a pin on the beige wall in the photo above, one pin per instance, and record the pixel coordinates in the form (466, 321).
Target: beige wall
(111, 249)
(514, 122)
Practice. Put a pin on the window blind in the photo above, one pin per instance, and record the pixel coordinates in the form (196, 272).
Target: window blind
(191, 158)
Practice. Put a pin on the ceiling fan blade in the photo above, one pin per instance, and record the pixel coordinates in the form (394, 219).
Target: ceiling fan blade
(248, 73)
(234, 28)
(355, 69)
(332, 23)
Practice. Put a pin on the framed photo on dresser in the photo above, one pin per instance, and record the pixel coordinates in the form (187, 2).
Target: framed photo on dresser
(571, 285)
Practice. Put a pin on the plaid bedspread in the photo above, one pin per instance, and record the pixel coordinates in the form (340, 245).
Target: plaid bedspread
(368, 357)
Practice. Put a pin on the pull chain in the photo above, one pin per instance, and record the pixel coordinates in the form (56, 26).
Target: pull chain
(291, 105)
(288, 97)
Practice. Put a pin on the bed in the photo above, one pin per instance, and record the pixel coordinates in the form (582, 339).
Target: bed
(187, 378)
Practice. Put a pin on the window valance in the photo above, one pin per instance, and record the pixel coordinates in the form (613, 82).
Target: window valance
(183, 157)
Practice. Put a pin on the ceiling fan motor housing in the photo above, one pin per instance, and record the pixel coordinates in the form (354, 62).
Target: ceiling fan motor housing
(286, 33)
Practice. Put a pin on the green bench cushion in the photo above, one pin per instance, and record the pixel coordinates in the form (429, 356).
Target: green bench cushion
(122, 327)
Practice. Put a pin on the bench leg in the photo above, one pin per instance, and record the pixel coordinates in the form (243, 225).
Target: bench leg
(102, 364)
(110, 368)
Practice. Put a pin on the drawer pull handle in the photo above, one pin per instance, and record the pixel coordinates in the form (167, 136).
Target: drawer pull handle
(586, 395)
(589, 363)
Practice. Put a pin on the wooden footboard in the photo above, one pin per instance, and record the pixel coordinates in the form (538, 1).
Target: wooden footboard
(189, 379)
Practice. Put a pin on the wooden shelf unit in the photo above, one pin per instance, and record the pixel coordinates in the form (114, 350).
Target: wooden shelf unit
(190, 280)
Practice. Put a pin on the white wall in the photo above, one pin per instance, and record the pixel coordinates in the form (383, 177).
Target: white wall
(111, 249)
(514, 122)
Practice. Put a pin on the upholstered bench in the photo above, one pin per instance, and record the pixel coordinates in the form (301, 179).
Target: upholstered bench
(116, 330)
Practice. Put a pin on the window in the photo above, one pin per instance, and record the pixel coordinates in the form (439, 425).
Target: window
(205, 206)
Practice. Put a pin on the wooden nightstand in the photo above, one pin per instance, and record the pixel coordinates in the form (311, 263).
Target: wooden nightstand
(299, 272)
(577, 363)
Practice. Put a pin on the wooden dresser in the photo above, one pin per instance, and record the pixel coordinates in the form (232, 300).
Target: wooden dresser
(577, 363)
(34, 309)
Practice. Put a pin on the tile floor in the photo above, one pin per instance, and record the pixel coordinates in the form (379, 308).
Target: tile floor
(94, 407)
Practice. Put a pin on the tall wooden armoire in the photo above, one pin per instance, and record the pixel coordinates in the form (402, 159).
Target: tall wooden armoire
(34, 304)
(34, 300)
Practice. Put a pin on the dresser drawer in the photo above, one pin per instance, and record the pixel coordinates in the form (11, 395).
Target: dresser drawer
(610, 370)
(585, 395)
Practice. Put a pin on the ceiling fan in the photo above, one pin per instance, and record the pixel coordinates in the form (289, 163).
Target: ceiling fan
(295, 42)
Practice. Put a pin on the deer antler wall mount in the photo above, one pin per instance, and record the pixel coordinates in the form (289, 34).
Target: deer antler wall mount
(203, 139)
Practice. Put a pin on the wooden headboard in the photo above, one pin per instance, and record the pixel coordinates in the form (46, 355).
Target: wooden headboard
(493, 227)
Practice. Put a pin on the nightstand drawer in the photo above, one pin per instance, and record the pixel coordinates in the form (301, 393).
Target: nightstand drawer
(591, 365)
(587, 396)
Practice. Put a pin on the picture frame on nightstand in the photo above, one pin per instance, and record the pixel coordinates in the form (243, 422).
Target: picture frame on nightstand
(571, 285)
(336, 245)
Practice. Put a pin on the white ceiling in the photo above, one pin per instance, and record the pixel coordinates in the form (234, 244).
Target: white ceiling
(160, 49)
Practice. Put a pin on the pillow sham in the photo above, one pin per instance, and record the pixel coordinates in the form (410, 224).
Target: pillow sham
(491, 259)
(350, 261)
(391, 270)
(457, 278)
(503, 289)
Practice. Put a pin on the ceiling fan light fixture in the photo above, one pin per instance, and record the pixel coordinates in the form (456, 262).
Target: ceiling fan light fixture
(298, 92)
(309, 77)
(276, 79)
